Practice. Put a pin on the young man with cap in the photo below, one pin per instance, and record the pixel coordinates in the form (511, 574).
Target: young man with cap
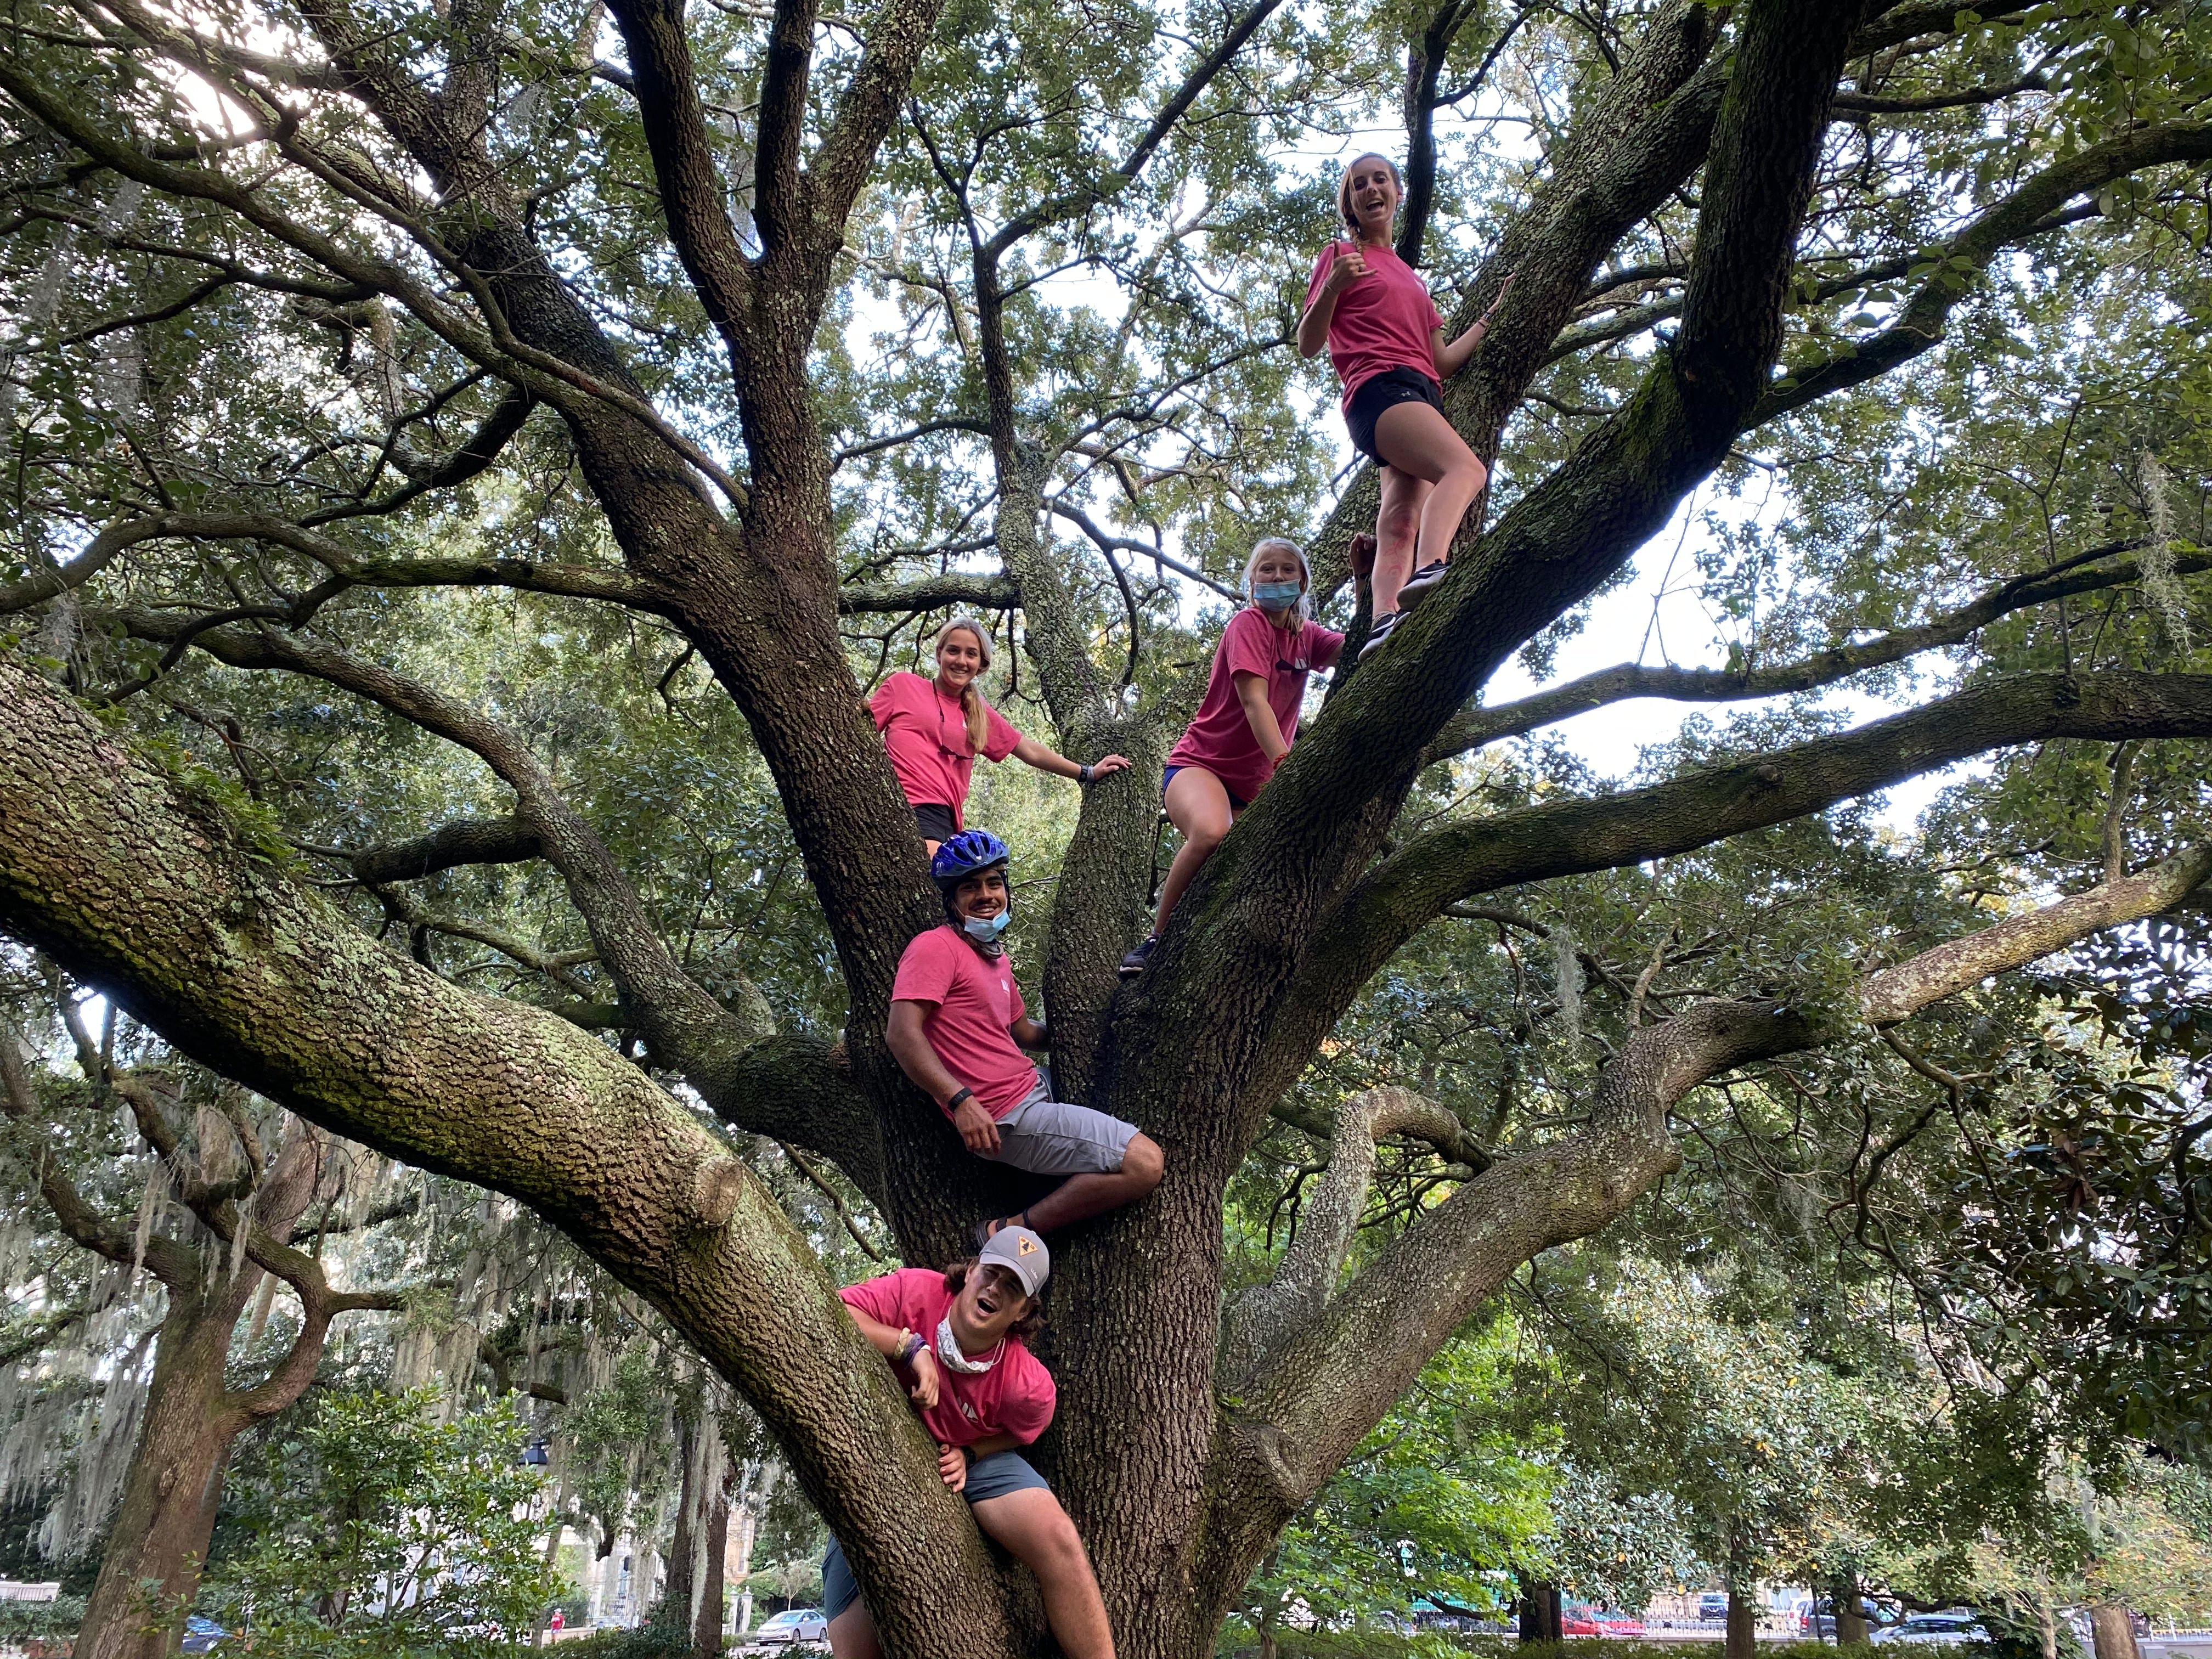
(958, 1028)
(954, 1340)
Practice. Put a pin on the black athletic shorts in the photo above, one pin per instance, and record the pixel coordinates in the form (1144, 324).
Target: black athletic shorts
(935, 821)
(1392, 386)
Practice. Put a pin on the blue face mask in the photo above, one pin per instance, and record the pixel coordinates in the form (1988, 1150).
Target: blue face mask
(1276, 596)
(984, 929)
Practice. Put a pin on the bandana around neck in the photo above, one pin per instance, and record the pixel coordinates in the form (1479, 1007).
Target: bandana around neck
(948, 1350)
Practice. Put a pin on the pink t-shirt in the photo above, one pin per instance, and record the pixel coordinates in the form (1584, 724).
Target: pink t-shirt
(976, 1001)
(1382, 321)
(1220, 740)
(926, 730)
(1015, 1396)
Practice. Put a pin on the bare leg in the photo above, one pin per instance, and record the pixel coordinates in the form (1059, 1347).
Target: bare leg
(1397, 526)
(1197, 806)
(1082, 1196)
(853, 1634)
(1416, 439)
(1036, 1531)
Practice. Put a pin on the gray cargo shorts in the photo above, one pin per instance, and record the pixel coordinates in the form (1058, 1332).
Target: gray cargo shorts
(1049, 1137)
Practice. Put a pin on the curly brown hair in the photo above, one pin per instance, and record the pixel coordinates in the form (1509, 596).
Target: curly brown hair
(1027, 1326)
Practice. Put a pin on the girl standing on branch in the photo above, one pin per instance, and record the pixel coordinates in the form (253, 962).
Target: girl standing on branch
(1386, 342)
(934, 729)
(1250, 715)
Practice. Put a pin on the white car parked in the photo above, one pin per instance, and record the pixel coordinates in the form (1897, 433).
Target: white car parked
(1931, 1627)
(792, 1625)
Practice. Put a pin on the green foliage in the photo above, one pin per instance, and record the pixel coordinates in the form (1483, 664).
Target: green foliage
(1437, 1496)
(644, 1642)
(58, 1617)
(372, 1528)
(640, 1642)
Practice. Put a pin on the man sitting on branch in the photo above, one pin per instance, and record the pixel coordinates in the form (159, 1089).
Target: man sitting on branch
(958, 1028)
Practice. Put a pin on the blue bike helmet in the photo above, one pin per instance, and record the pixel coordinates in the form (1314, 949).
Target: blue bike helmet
(965, 854)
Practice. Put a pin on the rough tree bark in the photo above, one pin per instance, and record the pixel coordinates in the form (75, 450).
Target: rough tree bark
(2112, 1632)
(1179, 1476)
(1850, 1621)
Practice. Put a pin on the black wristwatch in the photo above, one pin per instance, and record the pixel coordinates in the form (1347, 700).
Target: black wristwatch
(959, 1095)
(1082, 773)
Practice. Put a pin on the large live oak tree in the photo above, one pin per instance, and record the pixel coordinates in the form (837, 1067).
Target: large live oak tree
(1187, 1435)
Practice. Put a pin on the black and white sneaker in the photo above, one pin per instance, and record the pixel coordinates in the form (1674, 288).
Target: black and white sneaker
(1421, 584)
(1380, 632)
(1133, 963)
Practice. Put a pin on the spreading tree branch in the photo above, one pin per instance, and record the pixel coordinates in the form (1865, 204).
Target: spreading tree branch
(1262, 1316)
(1407, 890)
(1475, 727)
(1326, 1377)
(176, 916)
(692, 196)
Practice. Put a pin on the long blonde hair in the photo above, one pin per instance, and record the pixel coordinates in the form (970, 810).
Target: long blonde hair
(971, 700)
(1299, 614)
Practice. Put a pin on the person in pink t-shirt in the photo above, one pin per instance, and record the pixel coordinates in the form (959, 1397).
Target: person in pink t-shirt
(1386, 342)
(955, 1340)
(1247, 720)
(934, 729)
(958, 1028)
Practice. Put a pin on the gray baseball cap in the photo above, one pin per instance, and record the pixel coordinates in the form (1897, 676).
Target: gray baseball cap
(1022, 1254)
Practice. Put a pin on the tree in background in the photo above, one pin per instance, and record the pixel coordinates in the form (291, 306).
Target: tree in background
(1437, 1498)
(225, 1216)
(533, 444)
(378, 1525)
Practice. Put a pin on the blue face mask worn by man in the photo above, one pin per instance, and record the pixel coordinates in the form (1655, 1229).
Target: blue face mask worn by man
(984, 929)
(1276, 596)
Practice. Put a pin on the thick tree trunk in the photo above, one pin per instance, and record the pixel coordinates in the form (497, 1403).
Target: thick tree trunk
(2112, 1632)
(1741, 1641)
(1541, 1613)
(707, 1618)
(167, 1510)
(1850, 1622)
